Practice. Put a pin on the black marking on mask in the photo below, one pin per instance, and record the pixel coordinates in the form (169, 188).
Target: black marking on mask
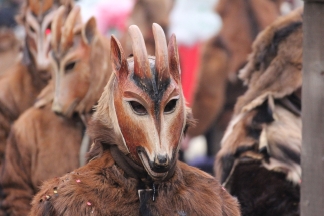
(153, 87)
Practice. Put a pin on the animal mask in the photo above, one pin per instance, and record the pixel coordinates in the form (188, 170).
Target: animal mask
(80, 61)
(148, 107)
(37, 17)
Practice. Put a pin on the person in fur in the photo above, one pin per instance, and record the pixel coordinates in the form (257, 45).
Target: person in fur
(222, 57)
(136, 130)
(42, 143)
(259, 161)
(21, 84)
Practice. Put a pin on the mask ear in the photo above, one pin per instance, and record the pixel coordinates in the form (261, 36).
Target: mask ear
(89, 31)
(118, 60)
(20, 18)
(174, 63)
(56, 26)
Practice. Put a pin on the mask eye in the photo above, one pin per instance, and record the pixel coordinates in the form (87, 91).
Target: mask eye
(138, 108)
(48, 29)
(169, 108)
(69, 66)
(31, 29)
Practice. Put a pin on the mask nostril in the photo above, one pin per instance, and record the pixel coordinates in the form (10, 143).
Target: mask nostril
(161, 161)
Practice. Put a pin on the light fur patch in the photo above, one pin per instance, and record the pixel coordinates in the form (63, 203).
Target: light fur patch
(231, 126)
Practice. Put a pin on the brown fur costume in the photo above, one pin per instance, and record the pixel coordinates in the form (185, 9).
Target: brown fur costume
(20, 85)
(103, 188)
(19, 88)
(10, 49)
(117, 181)
(36, 152)
(38, 148)
(259, 161)
(223, 55)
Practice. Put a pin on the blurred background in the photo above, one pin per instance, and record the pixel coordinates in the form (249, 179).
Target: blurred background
(214, 39)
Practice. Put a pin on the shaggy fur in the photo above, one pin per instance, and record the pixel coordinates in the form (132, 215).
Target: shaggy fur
(35, 152)
(264, 193)
(274, 136)
(260, 157)
(19, 88)
(102, 188)
(223, 55)
(274, 67)
(260, 160)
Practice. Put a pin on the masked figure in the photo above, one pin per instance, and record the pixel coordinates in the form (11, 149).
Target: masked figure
(138, 124)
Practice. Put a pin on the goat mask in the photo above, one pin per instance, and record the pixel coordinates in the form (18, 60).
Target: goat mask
(148, 101)
(37, 16)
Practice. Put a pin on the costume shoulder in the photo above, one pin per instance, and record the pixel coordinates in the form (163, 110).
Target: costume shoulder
(206, 187)
(13, 91)
(12, 78)
(75, 193)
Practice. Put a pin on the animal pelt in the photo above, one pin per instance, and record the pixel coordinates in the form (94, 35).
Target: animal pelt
(271, 134)
(274, 67)
(19, 88)
(260, 157)
(260, 160)
(224, 54)
(41, 145)
(102, 188)
(262, 192)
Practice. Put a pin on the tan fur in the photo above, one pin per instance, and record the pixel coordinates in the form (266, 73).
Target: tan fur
(18, 90)
(10, 49)
(282, 75)
(223, 55)
(101, 188)
(37, 151)
(270, 76)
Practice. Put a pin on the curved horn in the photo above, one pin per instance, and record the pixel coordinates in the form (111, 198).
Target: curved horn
(174, 63)
(67, 35)
(161, 52)
(141, 63)
(56, 27)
